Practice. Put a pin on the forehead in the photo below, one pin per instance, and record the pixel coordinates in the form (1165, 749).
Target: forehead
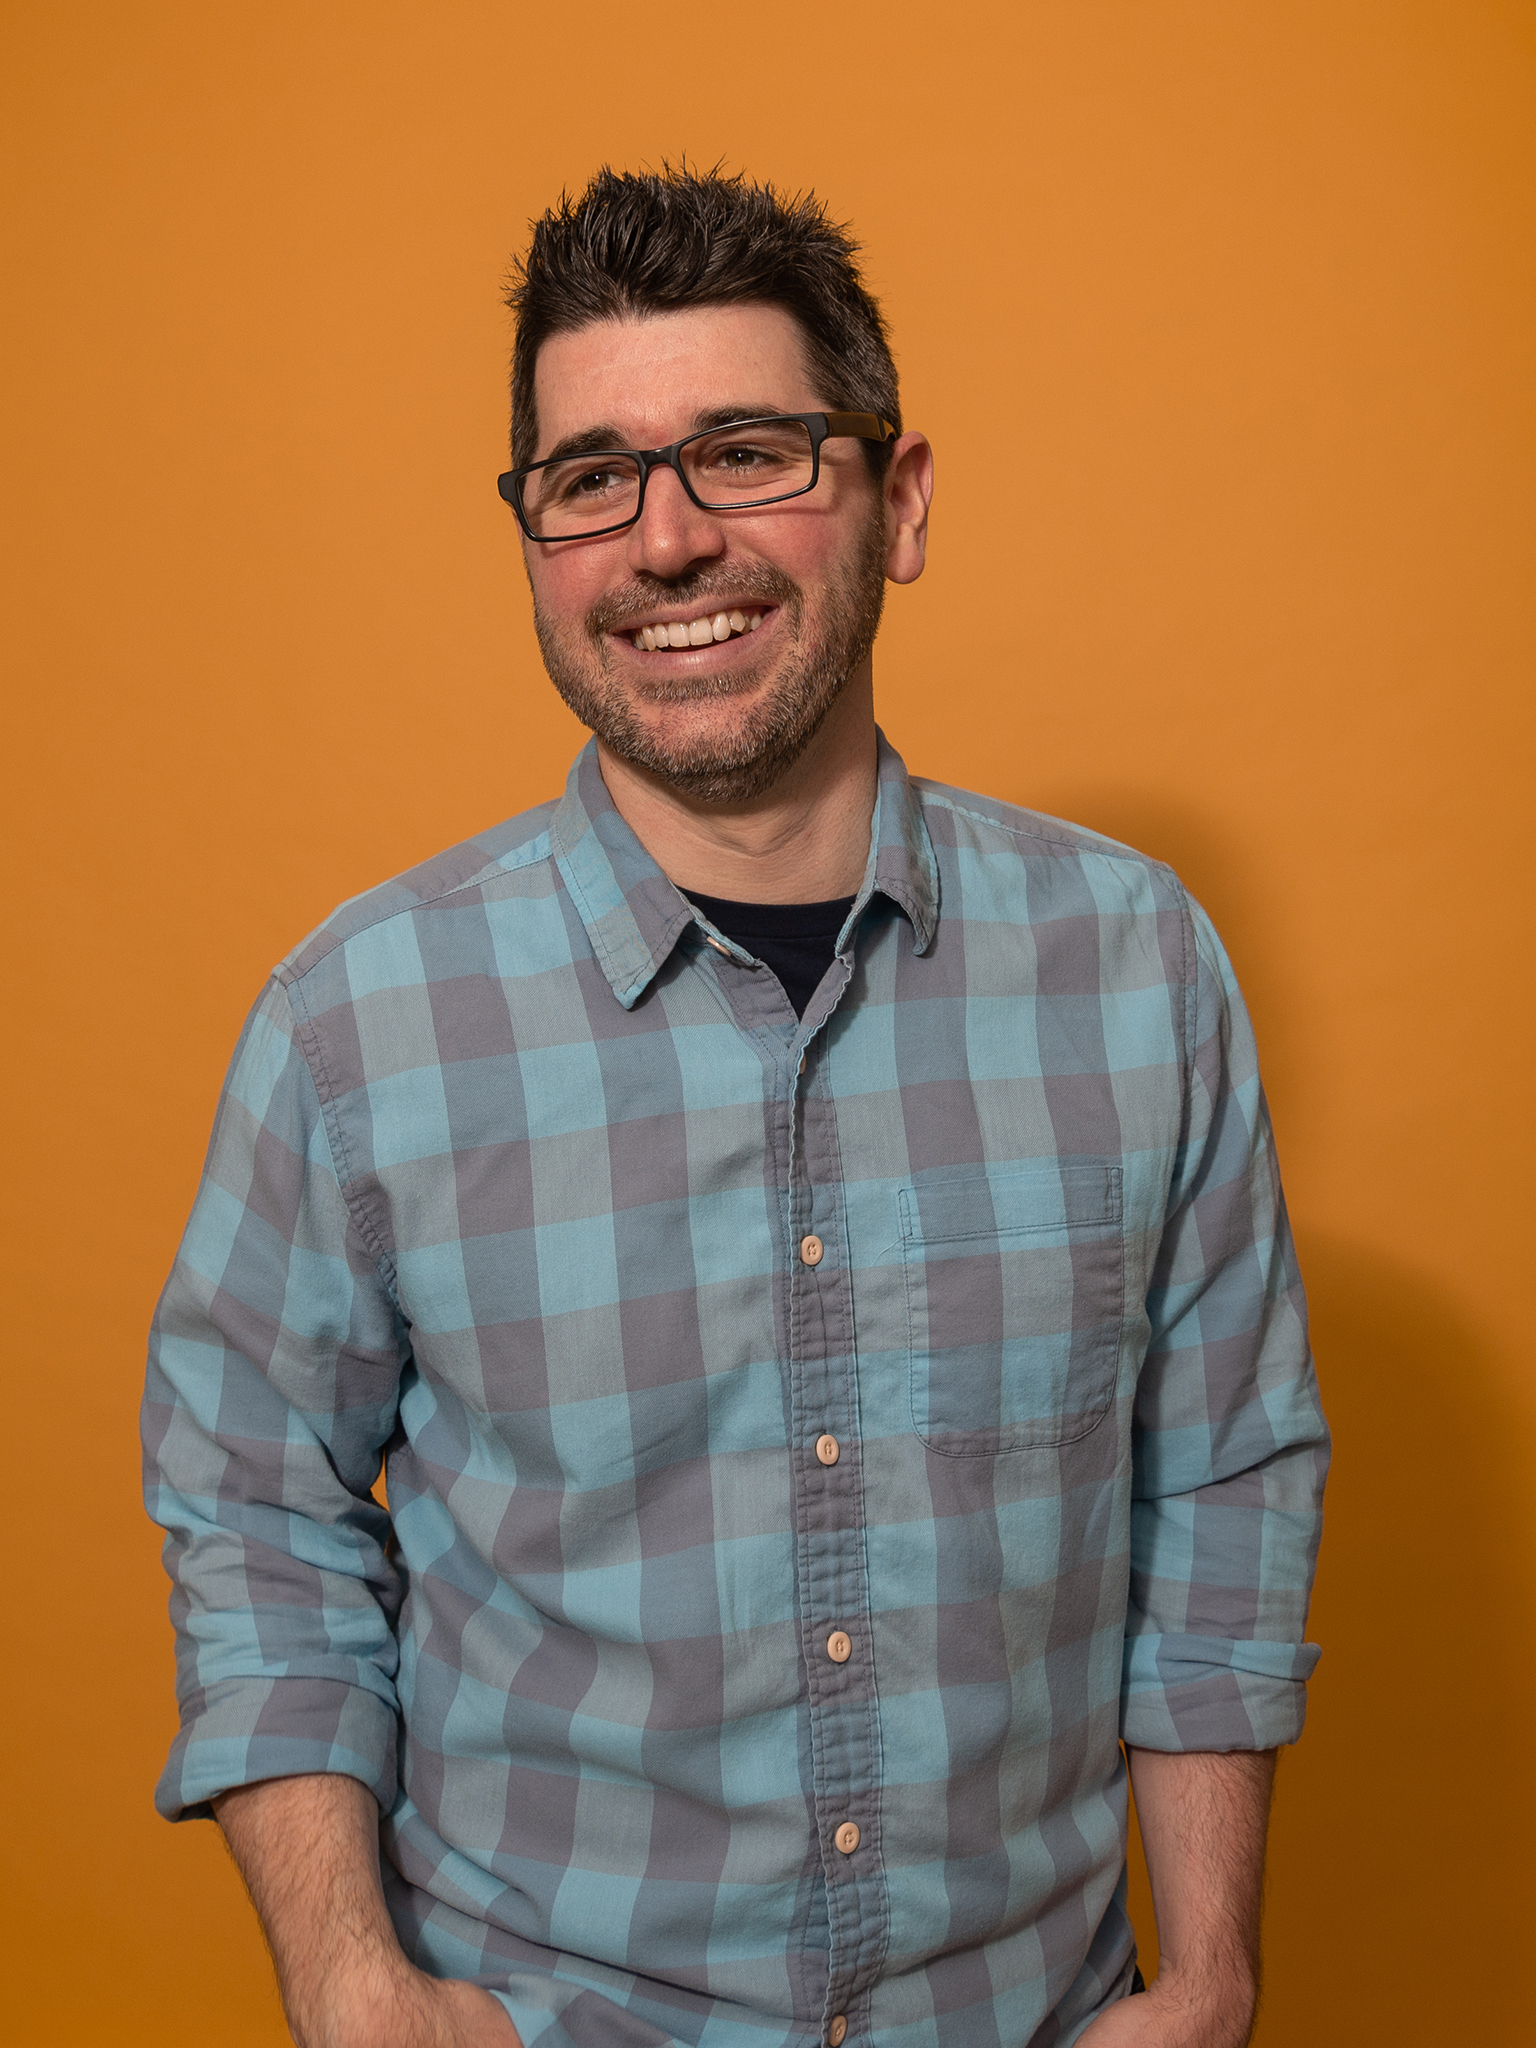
(651, 377)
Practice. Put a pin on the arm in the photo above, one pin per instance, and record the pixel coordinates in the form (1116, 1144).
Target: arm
(308, 1849)
(1229, 1449)
(273, 1385)
(1228, 1440)
(1203, 1820)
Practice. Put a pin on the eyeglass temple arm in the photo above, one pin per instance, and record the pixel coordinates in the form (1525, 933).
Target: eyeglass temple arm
(860, 426)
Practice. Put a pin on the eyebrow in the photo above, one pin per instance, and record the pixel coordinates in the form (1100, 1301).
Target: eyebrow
(608, 440)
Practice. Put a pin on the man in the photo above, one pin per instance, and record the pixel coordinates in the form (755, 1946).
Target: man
(807, 1248)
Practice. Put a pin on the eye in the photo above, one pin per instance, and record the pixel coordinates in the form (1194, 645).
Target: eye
(742, 458)
(760, 459)
(590, 483)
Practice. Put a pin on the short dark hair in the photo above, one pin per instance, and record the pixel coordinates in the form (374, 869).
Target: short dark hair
(661, 242)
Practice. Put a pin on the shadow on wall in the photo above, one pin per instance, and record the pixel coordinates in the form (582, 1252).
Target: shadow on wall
(1400, 1881)
(1400, 1886)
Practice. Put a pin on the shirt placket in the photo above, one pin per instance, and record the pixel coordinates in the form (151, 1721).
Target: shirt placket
(827, 1462)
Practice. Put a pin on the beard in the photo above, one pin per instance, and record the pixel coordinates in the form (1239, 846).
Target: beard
(804, 679)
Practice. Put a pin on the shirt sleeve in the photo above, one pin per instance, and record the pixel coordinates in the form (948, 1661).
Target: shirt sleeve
(273, 1382)
(1230, 1445)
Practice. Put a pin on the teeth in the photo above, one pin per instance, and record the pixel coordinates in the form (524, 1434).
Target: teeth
(696, 632)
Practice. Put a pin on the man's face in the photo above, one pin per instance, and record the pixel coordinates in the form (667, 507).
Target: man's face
(719, 721)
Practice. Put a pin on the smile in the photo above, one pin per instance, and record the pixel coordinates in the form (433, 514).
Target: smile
(698, 632)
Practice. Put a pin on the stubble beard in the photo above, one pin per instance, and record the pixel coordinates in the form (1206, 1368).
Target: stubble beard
(735, 765)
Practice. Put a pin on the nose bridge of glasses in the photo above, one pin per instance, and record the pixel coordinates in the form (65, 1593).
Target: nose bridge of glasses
(655, 463)
(669, 527)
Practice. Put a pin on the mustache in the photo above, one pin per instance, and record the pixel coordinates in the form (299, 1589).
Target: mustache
(644, 595)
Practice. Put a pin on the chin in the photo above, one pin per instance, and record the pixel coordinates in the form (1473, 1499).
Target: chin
(720, 760)
(724, 725)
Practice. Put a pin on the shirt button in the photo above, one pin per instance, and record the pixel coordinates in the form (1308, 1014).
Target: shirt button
(839, 1647)
(811, 1249)
(828, 1449)
(837, 2033)
(847, 1837)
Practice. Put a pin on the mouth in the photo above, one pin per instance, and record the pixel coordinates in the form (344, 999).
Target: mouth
(702, 628)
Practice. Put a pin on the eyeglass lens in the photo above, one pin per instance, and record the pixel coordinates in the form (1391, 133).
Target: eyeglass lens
(731, 467)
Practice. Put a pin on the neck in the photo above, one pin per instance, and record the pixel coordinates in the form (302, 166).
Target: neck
(805, 840)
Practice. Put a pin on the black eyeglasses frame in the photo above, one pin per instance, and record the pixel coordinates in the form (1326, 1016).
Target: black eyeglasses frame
(822, 426)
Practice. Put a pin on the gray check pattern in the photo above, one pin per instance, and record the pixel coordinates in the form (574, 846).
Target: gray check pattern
(509, 1184)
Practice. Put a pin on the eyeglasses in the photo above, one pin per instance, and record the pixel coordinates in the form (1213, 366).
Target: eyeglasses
(724, 469)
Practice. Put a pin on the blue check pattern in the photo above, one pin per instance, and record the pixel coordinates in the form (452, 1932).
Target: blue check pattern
(528, 1182)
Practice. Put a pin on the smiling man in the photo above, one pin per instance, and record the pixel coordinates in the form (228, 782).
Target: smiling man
(806, 1246)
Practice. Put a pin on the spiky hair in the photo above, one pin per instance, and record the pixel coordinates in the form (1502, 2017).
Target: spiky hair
(660, 242)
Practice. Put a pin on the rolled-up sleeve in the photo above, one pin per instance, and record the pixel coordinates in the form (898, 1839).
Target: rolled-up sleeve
(1230, 1444)
(273, 1382)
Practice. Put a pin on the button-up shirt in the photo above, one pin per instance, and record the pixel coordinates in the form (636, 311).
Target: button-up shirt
(810, 1444)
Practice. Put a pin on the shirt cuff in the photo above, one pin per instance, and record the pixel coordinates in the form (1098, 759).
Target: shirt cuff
(246, 1729)
(1210, 1693)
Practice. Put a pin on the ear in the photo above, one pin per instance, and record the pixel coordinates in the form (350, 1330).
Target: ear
(908, 492)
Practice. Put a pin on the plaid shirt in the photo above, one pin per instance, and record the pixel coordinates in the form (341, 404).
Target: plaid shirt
(810, 1445)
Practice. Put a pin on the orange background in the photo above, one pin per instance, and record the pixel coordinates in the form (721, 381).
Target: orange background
(1222, 320)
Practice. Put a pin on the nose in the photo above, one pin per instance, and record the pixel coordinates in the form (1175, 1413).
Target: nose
(672, 534)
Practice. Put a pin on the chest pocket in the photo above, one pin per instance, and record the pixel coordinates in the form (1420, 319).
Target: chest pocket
(1015, 1283)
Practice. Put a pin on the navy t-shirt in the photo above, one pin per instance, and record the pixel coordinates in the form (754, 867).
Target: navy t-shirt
(797, 940)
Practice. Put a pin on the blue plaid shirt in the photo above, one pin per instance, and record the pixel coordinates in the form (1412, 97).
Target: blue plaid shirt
(810, 1445)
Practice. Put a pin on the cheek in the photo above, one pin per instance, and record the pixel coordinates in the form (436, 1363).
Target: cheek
(812, 541)
(565, 587)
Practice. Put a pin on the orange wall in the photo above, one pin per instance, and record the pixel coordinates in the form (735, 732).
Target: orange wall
(1221, 318)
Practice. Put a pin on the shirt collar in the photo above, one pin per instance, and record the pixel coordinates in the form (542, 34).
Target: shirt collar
(634, 916)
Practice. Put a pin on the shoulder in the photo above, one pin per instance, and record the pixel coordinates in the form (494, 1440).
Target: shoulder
(966, 824)
(506, 861)
(1115, 915)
